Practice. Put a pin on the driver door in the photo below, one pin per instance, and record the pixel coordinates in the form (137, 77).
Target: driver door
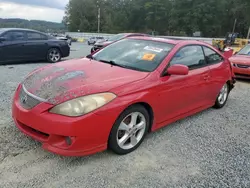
(179, 94)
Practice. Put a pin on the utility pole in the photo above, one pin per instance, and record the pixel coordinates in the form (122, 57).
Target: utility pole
(248, 34)
(235, 21)
(99, 16)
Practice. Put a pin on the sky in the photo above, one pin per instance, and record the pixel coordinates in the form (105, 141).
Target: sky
(48, 10)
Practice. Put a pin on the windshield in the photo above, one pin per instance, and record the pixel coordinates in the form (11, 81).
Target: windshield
(117, 37)
(245, 50)
(142, 55)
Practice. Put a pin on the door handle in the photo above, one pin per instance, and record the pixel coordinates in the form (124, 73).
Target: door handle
(206, 77)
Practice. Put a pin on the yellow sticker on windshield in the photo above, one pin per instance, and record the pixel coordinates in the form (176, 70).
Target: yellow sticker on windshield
(148, 57)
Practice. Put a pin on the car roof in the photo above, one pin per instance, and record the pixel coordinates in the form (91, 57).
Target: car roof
(20, 29)
(170, 40)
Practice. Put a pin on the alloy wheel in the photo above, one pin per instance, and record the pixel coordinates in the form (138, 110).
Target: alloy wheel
(131, 130)
(223, 94)
(54, 55)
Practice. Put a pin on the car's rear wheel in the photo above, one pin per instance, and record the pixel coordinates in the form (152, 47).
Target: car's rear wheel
(129, 130)
(222, 97)
(54, 55)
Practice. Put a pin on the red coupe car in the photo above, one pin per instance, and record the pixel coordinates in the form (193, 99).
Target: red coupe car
(241, 63)
(113, 98)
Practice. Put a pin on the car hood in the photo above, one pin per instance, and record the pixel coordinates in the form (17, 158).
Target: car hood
(74, 78)
(243, 59)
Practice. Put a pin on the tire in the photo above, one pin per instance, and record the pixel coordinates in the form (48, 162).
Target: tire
(88, 43)
(221, 99)
(128, 133)
(54, 55)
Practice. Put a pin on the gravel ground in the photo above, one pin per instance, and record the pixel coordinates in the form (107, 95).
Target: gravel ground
(210, 149)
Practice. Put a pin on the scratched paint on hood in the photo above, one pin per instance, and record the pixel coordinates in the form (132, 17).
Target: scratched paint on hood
(52, 82)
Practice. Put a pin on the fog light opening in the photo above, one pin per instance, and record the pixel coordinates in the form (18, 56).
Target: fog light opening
(68, 140)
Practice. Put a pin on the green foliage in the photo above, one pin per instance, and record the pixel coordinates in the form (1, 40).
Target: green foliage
(32, 24)
(169, 17)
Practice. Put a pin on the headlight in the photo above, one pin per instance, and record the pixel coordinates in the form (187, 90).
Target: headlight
(83, 105)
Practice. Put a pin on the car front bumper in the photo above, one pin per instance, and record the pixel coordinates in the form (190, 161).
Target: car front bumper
(243, 73)
(63, 135)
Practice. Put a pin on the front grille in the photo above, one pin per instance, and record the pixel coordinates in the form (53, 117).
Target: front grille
(243, 66)
(26, 100)
(31, 131)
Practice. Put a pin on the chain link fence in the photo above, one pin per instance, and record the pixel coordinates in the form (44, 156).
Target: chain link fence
(82, 37)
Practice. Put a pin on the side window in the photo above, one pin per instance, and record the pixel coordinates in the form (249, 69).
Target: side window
(191, 56)
(35, 36)
(14, 36)
(212, 57)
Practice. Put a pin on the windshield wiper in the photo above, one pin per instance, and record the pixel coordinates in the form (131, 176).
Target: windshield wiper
(113, 63)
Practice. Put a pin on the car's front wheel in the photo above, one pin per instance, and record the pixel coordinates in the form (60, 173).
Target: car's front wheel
(54, 55)
(129, 130)
(223, 96)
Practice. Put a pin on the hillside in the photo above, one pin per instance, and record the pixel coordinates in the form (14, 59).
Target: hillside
(43, 26)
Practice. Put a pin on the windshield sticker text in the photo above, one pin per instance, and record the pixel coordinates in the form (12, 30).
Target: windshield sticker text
(154, 49)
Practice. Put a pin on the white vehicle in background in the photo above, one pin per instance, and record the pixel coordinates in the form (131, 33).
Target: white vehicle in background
(63, 37)
(93, 40)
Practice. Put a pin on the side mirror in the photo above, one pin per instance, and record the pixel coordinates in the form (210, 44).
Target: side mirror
(2, 39)
(178, 70)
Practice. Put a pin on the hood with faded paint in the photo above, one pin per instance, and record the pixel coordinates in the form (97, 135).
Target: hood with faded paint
(67, 80)
(242, 59)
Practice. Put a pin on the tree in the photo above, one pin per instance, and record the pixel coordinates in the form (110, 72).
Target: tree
(172, 17)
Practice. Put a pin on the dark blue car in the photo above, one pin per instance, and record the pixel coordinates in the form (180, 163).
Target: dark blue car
(17, 45)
